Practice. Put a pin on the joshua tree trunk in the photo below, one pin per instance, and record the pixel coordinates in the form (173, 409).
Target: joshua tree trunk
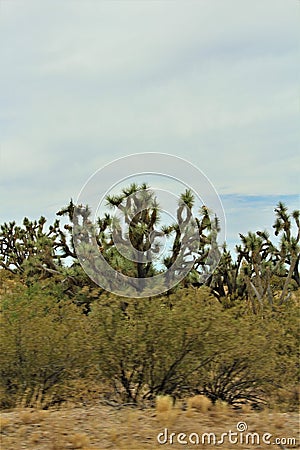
(288, 279)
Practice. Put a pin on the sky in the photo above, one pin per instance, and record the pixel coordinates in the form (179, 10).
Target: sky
(83, 83)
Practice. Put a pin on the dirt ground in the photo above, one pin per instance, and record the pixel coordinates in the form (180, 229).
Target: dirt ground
(105, 427)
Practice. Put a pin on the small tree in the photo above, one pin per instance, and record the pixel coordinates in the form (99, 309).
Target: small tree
(43, 342)
(153, 348)
(30, 245)
(261, 263)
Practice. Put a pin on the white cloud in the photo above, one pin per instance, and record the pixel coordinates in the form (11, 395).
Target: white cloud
(83, 83)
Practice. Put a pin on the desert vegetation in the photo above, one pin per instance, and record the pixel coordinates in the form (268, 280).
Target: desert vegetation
(226, 340)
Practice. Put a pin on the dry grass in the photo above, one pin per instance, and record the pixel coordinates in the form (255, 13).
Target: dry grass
(164, 403)
(102, 427)
(246, 408)
(5, 423)
(200, 403)
(79, 440)
(279, 421)
(32, 416)
(35, 398)
(166, 412)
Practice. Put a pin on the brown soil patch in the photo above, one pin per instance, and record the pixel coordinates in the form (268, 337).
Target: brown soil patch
(104, 427)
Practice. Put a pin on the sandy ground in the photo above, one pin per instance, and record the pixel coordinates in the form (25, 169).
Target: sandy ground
(105, 427)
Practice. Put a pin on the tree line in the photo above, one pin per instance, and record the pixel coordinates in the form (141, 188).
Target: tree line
(262, 271)
(231, 333)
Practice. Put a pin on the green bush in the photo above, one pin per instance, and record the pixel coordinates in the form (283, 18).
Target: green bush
(43, 341)
(179, 344)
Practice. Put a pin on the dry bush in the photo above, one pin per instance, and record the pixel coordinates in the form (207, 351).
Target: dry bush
(165, 410)
(220, 410)
(35, 398)
(5, 423)
(164, 403)
(29, 416)
(221, 406)
(79, 440)
(200, 403)
(80, 391)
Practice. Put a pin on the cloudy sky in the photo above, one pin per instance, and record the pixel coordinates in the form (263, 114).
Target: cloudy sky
(85, 82)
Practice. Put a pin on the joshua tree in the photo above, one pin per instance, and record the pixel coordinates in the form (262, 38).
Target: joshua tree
(289, 248)
(260, 262)
(137, 239)
(32, 244)
(129, 237)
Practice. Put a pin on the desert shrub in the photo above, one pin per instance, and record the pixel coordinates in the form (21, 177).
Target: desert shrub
(200, 403)
(262, 357)
(188, 344)
(43, 341)
(155, 345)
(178, 345)
(163, 403)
